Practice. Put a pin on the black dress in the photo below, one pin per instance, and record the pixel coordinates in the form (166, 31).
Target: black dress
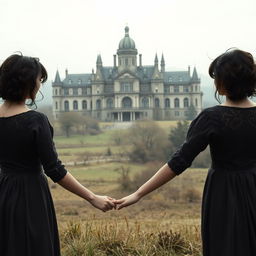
(229, 198)
(28, 224)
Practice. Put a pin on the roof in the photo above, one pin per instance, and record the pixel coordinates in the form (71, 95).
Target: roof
(144, 73)
(177, 77)
(77, 80)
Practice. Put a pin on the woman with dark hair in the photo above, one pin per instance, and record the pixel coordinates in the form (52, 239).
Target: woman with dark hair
(28, 224)
(229, 197)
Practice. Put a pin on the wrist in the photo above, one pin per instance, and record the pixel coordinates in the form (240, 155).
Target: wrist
(138, 194)
(90, 197)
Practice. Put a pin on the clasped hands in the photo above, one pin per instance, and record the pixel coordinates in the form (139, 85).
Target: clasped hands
(106, 203)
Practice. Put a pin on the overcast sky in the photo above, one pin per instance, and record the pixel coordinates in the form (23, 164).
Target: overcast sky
(70, 33)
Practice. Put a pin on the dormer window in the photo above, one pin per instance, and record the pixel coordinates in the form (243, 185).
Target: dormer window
(180, 79)
(79, 81)
(69, 81)
(170, 79)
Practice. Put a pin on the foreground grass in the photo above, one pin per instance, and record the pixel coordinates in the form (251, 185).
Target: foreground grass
(124, 239)
(156, 226)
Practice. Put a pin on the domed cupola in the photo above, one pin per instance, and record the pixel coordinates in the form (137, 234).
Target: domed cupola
(127, 44)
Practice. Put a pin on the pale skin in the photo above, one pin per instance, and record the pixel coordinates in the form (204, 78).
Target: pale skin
(165, 173)
(68, 182)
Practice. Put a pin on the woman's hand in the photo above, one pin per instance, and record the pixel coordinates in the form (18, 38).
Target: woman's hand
(104, 203)
(126, 201)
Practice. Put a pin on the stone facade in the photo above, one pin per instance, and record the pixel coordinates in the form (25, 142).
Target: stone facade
(128, 90)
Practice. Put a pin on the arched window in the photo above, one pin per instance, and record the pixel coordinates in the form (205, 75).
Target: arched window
(98, 104)
(84, 104)
(176, 103)
(186, 103)
(109, 103)
(196, 102)
(126, 102)
(56, 105)
(145, 102)
(66, 105)
(167, 103)
(75, 105)
(157, 103)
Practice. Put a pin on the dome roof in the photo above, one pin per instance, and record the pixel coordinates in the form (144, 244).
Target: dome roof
(126, 42)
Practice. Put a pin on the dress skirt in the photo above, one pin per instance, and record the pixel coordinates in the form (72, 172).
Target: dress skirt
(229, 213)
(28, 224)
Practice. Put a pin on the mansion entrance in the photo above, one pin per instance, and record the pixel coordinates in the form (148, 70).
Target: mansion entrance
(127, 116)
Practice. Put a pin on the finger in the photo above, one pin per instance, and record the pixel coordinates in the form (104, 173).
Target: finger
(119, 207)
(118, 201)
(112, 204)
(110, 198)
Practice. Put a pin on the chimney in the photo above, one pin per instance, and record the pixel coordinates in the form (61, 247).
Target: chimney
(140, 60)
(66, 71)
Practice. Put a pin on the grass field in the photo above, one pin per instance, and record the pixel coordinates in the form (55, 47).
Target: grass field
(114, 232)
(166, 222)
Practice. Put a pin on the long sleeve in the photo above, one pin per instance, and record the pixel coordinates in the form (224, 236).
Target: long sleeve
(48, 156)
(196, 141)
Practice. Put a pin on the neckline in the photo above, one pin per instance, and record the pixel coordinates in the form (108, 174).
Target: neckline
(223, 106)
(19, 114)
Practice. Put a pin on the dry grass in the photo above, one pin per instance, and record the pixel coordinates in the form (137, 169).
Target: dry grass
(158, 225)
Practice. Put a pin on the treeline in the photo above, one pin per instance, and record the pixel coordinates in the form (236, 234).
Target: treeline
(149, 142)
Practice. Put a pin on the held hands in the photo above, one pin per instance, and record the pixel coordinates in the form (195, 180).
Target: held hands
(126, 201)
(106, 203)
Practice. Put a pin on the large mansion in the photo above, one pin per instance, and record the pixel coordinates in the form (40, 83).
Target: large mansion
(128, 90)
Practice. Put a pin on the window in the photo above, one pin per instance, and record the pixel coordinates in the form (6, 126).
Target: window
(180, 79)
(98, 104)
(196, 102)
(84, 91)
(75, 91)
(66, 105)
(126, 61)
(126, 102)
(176, 113)
(167, 89)
(56, 92)
(56, 105)
(66, 91)
(79, 81)
(75, 105)
(145, 102)
(176, 103)
(109, 103)
(69, 81)
(167, 103)
(157, 103)
(170, 79)
(185, 89)
(84, 104)
(176, 89)
(126, 87)
(186, 103)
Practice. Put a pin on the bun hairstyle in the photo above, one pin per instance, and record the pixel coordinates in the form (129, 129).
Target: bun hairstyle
(234, 74)
(18, 75)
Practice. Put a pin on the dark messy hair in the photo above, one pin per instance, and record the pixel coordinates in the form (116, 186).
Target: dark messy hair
(18, 76)
(234, 74)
